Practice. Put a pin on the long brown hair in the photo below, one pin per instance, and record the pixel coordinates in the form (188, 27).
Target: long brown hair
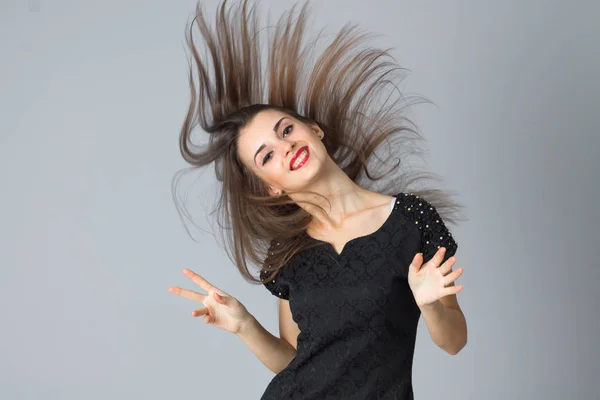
(343, 91)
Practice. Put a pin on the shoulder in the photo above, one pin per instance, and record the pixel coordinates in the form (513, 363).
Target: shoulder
(275, 283)
(434, 233)
(417, 208)
(409, 197)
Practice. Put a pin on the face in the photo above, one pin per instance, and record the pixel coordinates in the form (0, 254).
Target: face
(270, 143)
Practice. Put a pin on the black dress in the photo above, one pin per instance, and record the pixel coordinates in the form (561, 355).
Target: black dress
(355, 310)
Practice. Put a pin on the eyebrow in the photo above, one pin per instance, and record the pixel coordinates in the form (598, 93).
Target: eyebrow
(262, 146)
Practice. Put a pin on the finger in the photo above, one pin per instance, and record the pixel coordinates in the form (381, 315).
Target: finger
(438, 257)
(200, 281)
(452, 289)
(447, 266)
(417, 262)
(187, 294)
(448, 279)
(208, 318)
(200, 312)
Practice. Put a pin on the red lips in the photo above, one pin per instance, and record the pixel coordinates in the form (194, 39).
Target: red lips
(300, 150)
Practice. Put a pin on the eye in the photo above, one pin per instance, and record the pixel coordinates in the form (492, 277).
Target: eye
(284, 134)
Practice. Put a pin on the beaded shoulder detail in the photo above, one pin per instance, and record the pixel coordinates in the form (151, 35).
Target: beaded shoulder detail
(276, 286)
(434, 233)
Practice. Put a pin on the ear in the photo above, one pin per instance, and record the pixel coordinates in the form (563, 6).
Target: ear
(317, 130)
(274, 191)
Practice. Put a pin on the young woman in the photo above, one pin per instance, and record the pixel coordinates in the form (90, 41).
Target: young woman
(354, 268)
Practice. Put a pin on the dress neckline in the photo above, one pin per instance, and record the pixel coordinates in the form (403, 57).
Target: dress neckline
(394, 201)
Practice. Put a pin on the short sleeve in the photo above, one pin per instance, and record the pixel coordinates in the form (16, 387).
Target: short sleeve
(434, 233)
(277, 286)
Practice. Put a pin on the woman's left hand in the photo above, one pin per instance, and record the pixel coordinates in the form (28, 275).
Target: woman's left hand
(429, 282)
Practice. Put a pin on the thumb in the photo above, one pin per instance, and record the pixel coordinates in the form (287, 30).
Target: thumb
(220, 299)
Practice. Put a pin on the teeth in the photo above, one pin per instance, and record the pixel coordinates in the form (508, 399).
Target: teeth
(299, 159)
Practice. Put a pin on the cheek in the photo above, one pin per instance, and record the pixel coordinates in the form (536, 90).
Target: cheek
(277, 178)
(272, 176)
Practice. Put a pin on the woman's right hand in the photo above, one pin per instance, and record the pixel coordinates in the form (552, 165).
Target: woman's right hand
(220, 309)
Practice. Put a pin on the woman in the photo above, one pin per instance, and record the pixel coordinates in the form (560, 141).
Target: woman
(354, 268)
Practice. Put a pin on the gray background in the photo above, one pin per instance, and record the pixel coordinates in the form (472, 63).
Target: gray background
(92, 98)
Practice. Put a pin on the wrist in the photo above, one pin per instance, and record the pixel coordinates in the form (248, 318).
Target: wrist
(246, 324)
(435, 306)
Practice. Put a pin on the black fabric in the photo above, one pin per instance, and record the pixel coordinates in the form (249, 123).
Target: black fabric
(355, 310)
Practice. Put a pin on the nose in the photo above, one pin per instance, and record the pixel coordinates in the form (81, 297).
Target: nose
(288, 147)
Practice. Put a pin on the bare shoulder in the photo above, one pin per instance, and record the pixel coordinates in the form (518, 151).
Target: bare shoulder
(379, 198)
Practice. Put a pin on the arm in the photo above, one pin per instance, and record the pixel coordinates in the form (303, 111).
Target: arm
(273, 352)
(446, 323)
(441, 312)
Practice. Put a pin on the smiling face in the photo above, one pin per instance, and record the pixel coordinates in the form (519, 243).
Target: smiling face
(269, 143)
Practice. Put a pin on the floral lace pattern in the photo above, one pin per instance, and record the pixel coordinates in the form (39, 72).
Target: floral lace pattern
(355, 311)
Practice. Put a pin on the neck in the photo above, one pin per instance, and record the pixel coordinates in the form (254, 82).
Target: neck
(341, 197)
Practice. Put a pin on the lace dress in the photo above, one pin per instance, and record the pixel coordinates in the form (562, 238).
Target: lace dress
(356, 313)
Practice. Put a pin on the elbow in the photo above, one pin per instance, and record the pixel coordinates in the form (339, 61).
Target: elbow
(456, 349)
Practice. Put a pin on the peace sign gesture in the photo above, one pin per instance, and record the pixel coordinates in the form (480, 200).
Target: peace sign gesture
(220, 309)
(429, 282)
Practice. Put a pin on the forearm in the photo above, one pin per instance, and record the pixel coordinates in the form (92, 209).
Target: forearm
(447, 326)
(275, 353)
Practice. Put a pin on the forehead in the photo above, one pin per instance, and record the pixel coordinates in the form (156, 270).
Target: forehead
(262, 124)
